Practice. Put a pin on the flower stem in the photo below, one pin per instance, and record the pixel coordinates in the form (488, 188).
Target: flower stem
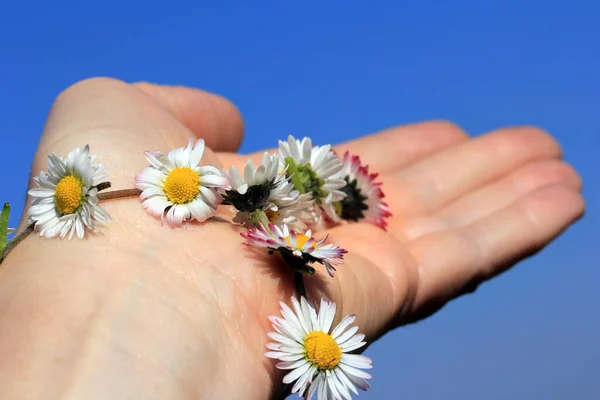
(299, 280)
(259, 216)
(285, 392)
(17, 239)
(4, 226)
(117, 194)
(103, 185)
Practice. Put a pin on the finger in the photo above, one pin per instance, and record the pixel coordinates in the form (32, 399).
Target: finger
(426, 186)
(238, 160)
(377, 270)
(505, 191)
(209, 116)
(387, 150)
(454, 262)
(494, 196)
(393, 148)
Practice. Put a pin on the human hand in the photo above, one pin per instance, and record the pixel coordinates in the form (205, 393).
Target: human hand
(146, 311)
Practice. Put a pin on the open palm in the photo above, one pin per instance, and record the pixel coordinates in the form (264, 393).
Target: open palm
(464, 210)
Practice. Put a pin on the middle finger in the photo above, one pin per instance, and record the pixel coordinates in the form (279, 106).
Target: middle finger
(428, 185)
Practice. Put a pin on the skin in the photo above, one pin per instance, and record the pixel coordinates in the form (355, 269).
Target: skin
(145, 311)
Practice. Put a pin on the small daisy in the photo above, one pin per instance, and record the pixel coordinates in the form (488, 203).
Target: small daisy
(177, 185)
(313, 169)
(264, 188)
(297, 249)
(317, 355)
(65, 202)
(364, 197)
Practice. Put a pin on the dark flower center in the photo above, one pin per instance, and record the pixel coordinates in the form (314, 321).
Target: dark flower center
(255, 198)
(352, 206)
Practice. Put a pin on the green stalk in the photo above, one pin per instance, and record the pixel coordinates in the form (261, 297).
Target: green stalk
(259, 216)
(292, 170)
(4, 226)
(17, 239)
(299, 281)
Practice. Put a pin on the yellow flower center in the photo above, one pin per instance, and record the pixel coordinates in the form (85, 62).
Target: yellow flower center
(272, 215)
(300, 240)
(322, 350)
(68, 195)
(181, 185)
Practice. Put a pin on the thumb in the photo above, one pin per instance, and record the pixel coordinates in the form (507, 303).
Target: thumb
(207, 115)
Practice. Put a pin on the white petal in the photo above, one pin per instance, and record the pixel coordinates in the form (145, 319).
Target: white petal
(347, 335)
(295, 374)
(351, 371)
(242, 188)
(314, 386)
(213, 180)
(41, 192)
(302, 317)
(344, 380)
(301, 383)
(200, 211)
(281, 339)
(326, 317)
(197, 153)
(101, 215)
(306, 149)
(292, 330)
(156, 205)
(348, 320)
(174, 220)
(341, 387)
(40, 209)
(357, 361)
(352, 341)
(358, 382)
(152, 191)
(259, 176)
(79, 228)
(292, 364)
(331, 382)
(152, 159)
(291, 357)
(235, 176)
(207, 169)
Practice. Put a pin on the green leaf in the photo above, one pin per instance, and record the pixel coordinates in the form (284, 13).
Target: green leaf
(4, 227)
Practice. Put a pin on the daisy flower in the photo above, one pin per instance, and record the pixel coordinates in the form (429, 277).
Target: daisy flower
(318, 356)
(177, 185)
(65, 202)
(313, 169)
(264, 188)
(364, 197)
(297, 249)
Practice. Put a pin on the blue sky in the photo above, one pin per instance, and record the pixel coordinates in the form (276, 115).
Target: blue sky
(342, 69)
